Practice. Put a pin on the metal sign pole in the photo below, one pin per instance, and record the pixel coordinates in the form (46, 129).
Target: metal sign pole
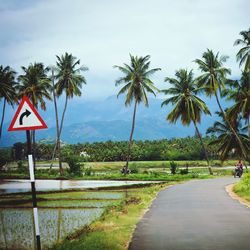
(33, 190)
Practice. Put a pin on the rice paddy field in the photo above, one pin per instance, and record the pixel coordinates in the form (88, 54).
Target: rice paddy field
(60, 214)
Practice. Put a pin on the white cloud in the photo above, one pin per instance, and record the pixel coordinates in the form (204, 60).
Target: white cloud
(103, 33)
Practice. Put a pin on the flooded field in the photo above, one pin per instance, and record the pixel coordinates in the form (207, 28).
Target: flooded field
(17, 231)
(16, 186)
(60, 215)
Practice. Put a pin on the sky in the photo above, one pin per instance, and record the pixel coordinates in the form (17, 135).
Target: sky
(103, 34)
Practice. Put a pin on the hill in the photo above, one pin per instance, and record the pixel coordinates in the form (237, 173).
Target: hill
(108, 119)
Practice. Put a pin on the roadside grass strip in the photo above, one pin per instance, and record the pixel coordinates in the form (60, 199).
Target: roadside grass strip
(115, 227)
(243, 187)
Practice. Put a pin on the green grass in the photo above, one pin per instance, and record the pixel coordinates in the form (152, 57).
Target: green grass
(148, 170)
(104, 166)
(115, 228)
(243, 187)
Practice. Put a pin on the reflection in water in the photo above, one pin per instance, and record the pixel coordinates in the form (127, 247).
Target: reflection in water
(16, 229)
(15, 186)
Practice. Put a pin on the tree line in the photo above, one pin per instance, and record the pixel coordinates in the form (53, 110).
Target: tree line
(165, 149)
(42, 84)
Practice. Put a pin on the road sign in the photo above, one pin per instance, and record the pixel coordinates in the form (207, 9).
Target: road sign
(26, 117)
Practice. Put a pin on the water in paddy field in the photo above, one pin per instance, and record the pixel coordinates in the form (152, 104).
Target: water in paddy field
(17, 230)
(16, 186)
(60, 215)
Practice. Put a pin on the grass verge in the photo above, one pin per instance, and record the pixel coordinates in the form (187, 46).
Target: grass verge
(243, 187)
(115, 228)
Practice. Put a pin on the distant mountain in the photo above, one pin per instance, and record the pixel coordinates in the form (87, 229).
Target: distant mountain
(109, 119)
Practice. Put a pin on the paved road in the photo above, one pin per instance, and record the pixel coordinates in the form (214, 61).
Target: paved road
(196, 215)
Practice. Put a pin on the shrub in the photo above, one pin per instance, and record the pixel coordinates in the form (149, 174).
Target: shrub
(88, 171)
(21, 167)
(173, 167)
(133, 169)
(184, 171)
(74, 165)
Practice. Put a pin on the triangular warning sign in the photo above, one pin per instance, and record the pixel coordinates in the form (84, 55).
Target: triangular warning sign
(26, 117)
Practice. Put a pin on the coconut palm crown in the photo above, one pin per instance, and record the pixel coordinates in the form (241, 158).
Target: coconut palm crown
(213, 74)
(7, 90)
(69, 81)
(188, 106)
(35, 84)
(226, 140)
(243, 55)
(69, 77)
(136, 80)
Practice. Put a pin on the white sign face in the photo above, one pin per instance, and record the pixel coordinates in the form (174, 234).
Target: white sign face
(26, 117)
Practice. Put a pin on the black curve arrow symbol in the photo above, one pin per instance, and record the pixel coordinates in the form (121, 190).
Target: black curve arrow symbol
(25, 113)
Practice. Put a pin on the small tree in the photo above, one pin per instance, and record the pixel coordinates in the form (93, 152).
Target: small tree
(173, 167)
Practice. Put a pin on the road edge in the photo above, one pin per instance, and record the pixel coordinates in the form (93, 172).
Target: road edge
(233, 195)
(144, 212)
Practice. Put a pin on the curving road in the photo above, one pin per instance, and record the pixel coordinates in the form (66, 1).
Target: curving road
(195, 215)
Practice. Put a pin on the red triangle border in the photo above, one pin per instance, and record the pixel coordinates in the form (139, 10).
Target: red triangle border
(26, 99)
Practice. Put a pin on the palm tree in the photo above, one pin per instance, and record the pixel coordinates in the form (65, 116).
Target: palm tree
(187, 105)
(35, 84)
(226, 140)
(69, 81)
(213, 79)
(7, 90)
(136, 80)
(56, 147)
(239, 92)
(243, 55)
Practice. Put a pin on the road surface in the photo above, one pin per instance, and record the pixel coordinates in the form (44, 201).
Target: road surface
(195, 215)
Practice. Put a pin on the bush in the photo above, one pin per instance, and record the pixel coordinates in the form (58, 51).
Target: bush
(21, 167)
(184, 171)
(133, 169)
(173, 167)
(88, 171)
(74, 165)
(5, 156)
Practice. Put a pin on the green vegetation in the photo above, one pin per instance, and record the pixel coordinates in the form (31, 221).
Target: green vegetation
(7, 90)
(74, 165)
(144, 170)
(243, 187)
(37, 83)
(187, 105)
(177, 149)
(227, 139)
(137, 83)
(69, 81)
(115, 228)
(243, 55)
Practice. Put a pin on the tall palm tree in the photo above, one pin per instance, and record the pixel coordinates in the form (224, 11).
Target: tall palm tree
(225, 140)
(212, 80)
(239, 92)
(136, 80)
(69, 81)
(243, 55)
(57, 143)
(187, 105)
(35, 84)
(7, 90)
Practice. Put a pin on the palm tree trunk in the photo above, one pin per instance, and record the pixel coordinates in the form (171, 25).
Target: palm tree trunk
(204, 148)
(232, 129)
(130, 138)
(1, 126)
(57, 127)
(248, 127)
(60, 131)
